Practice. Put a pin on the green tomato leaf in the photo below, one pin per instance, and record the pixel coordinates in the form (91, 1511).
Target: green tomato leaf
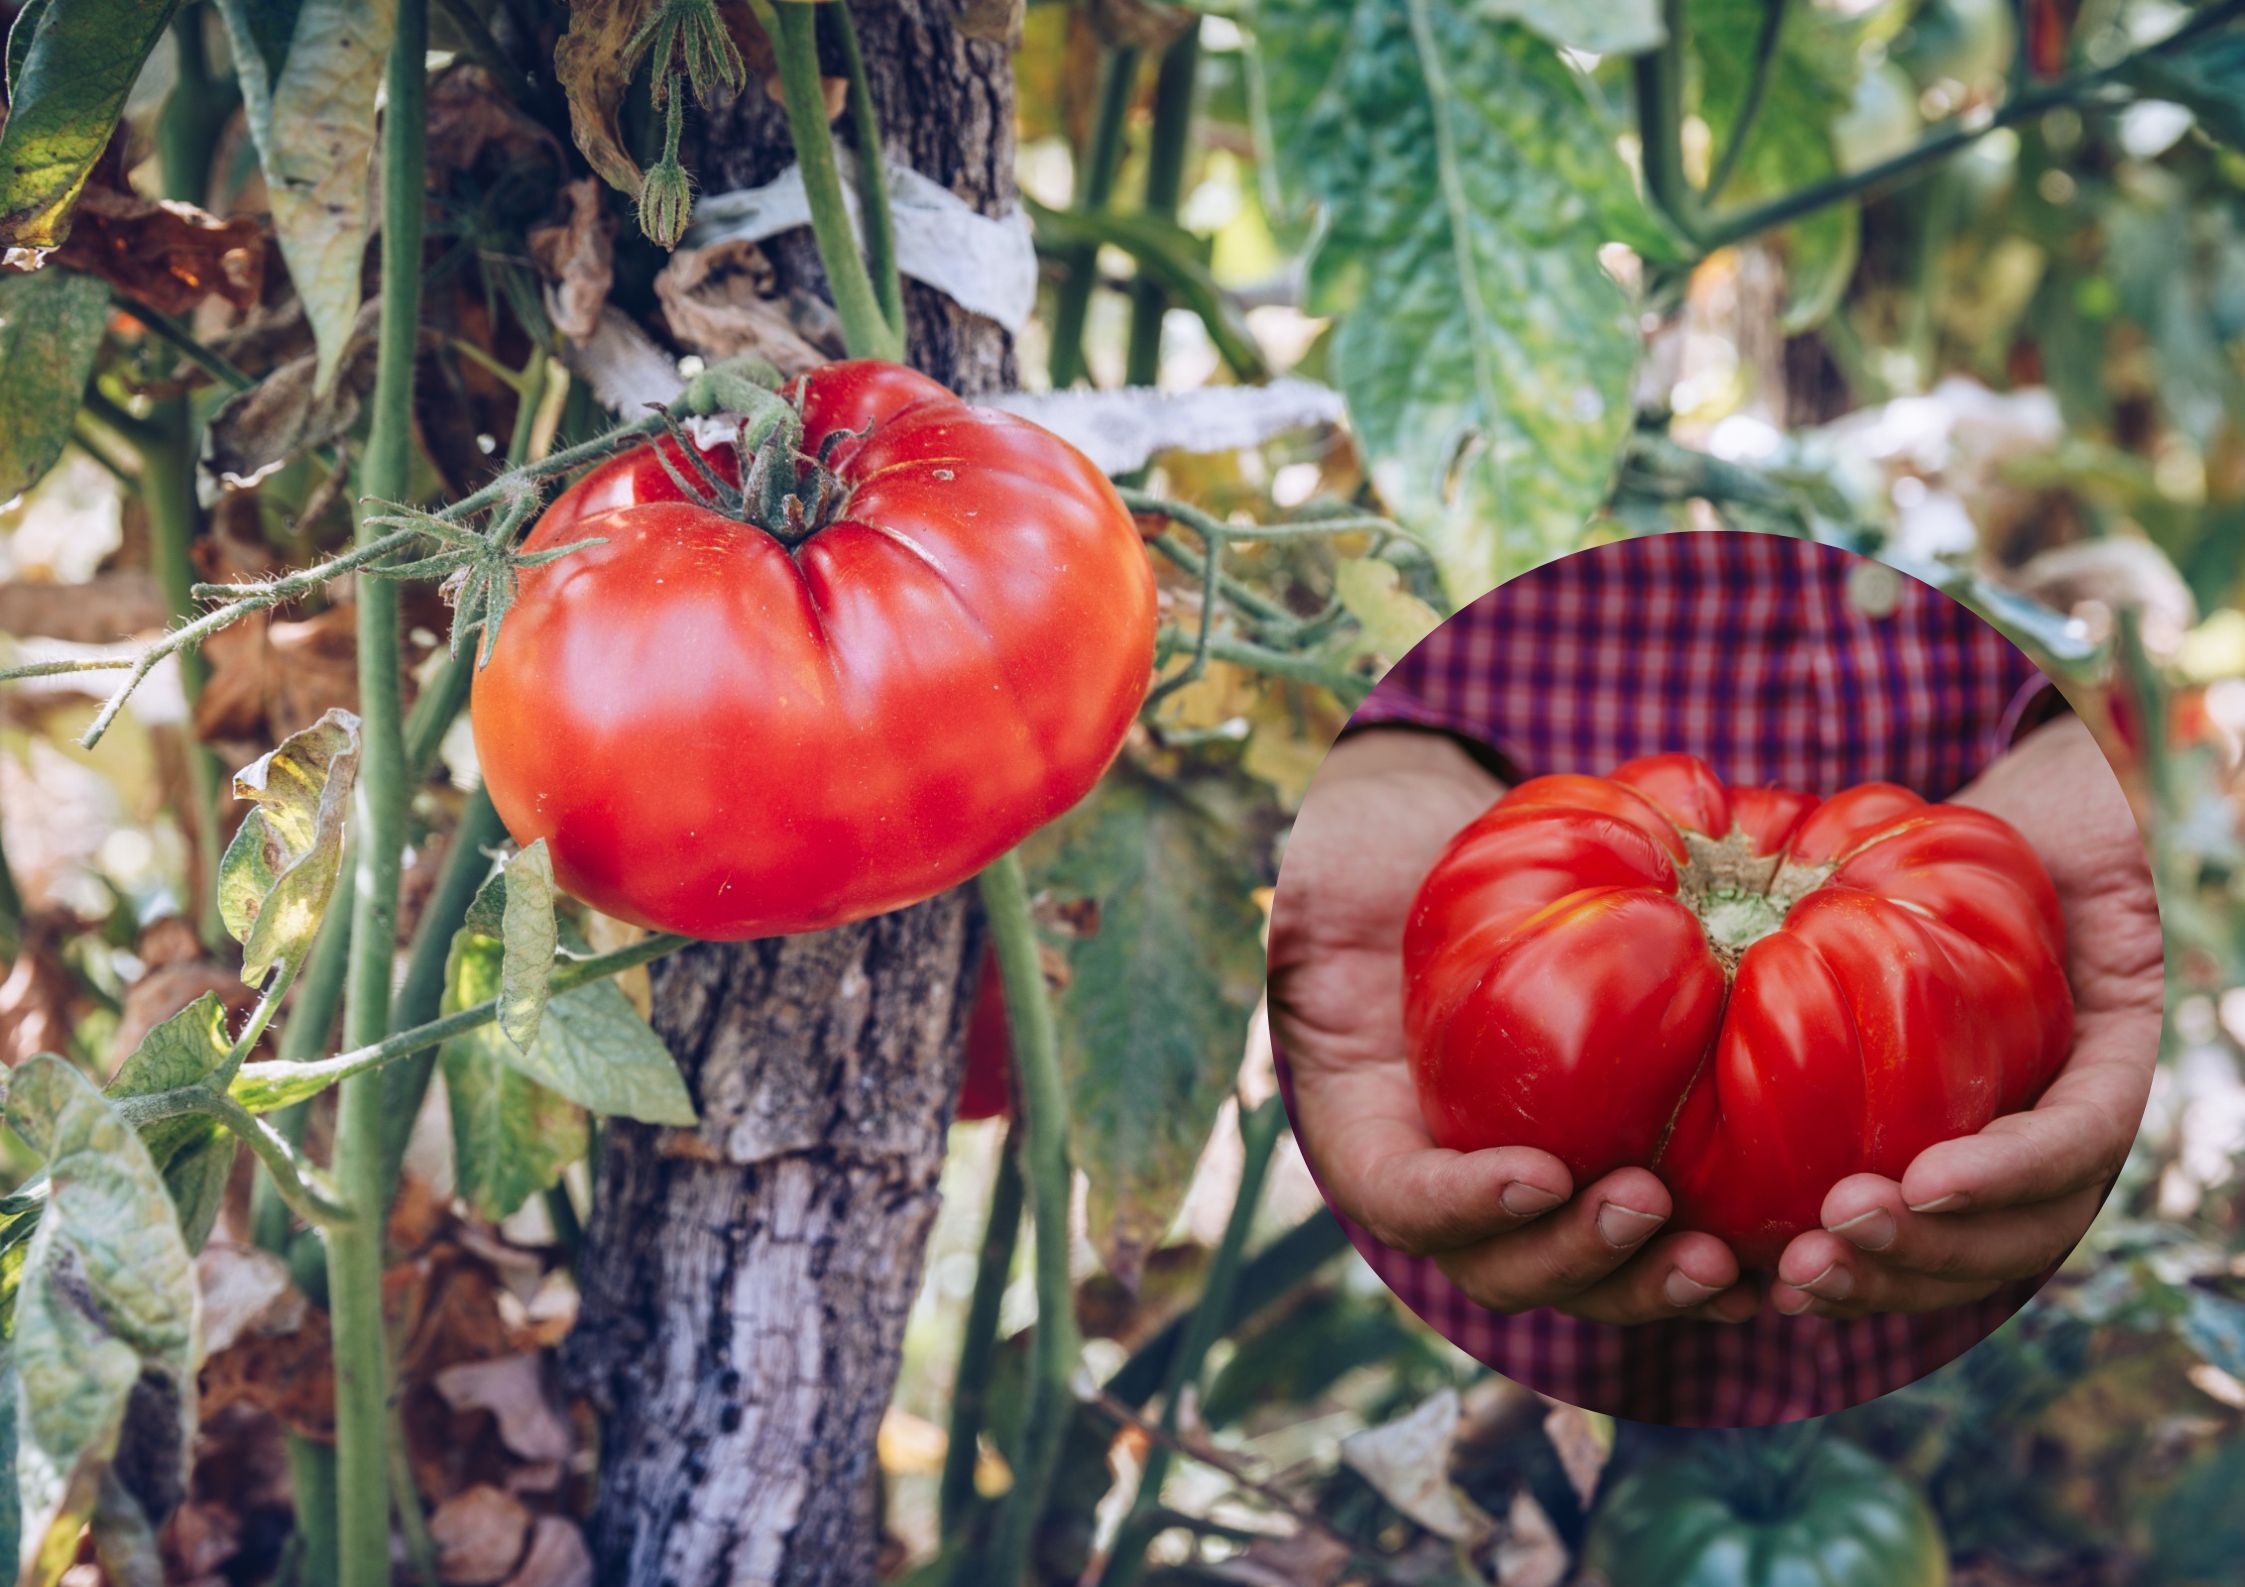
(1168, 254)
(1599, 27)
(1466, 182)
(511, 1136)
(105, 1315)
(50, 329)
(1155, 1016)
(193, 1154)
(1390, 619)
(2207, 79)
(68, 77)
(277, 875)
(310, 71)
(1789, 144)
(530, 937)
(590, 1044)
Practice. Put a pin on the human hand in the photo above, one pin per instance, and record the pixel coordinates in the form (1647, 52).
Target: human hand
(1506, 1224)
(2006, 1203)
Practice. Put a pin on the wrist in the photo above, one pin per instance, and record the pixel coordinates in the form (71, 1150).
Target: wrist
(1395, 749)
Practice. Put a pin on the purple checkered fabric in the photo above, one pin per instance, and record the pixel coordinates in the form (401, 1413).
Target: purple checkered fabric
(1775, 660)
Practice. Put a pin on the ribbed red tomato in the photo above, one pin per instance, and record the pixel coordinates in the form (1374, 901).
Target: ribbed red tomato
(1751, 992)
(726, 734)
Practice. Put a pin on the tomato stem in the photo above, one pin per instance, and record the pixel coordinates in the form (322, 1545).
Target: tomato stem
(1051, 1407)
(355, 1249)
(866, 332)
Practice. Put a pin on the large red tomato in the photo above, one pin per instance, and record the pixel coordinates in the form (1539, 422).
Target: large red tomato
(724, 734)
(1751, 992)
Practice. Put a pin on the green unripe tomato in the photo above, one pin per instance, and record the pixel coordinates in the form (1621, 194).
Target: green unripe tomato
(1838, 1518)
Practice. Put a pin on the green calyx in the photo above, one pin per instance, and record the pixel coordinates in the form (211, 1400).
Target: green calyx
(784, 491)
(1738, 895)
(1736, 919)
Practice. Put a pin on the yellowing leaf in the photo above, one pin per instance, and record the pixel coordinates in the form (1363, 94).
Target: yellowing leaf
(1392, 619)
(277, 875)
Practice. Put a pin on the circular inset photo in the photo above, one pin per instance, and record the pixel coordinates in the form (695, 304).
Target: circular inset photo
(1715, 979)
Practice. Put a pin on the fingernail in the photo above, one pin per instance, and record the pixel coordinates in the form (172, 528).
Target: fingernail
(1684, 1290)
(1792, 1302)
(1834, 1283)
(1623, 1227)
(1953, 1202)
(1525, 1201)
(1872, 1231)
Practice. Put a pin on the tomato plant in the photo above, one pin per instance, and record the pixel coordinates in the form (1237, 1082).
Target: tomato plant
(1836, 1517)
(1752, 992)
(869, 680)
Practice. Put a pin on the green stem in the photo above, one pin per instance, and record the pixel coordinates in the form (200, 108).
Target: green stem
(195, 112)
(362, 1417)
(1095, 186)
(978, 1345)
(1741, 224)
(1166, 149)
(794, 32)
(167, 329)
(319, 997)
(259, 1017)
(257, 1079)
(167, 488)
(1269, 1277)
(300, 1184)
(1659, 79)
(467, 862)
(872, 168)
(1350, 687)
(1259, 1135)
(1044, 1123)
(1757, 93)
(311, 1479)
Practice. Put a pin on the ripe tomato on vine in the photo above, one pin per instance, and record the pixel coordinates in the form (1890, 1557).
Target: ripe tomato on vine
(823, 685)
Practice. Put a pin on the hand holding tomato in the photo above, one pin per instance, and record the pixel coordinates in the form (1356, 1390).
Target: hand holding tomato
(2007, 1202)
(1506, 1224)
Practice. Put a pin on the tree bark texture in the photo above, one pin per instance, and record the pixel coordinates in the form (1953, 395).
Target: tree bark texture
(746, 1283)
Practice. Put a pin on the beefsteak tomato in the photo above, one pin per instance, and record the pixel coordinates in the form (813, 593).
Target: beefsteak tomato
(1747, 990)
(861, 689)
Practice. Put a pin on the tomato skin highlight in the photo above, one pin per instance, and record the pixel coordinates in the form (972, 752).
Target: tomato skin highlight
(1752, 993)
(719, 736)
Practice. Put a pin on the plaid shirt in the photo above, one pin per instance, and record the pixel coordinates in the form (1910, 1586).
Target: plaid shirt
(1775, 660)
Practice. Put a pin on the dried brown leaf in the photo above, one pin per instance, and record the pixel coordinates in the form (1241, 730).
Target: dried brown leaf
(255, 431)
(161, 993)
(481, 1536)
(557, 1557)
(578, 256)
(469, 116)
(589, 63)
(513, 1390)
(1530, 1554)
(168, 255)
(720, 302)
(1582, 1445)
